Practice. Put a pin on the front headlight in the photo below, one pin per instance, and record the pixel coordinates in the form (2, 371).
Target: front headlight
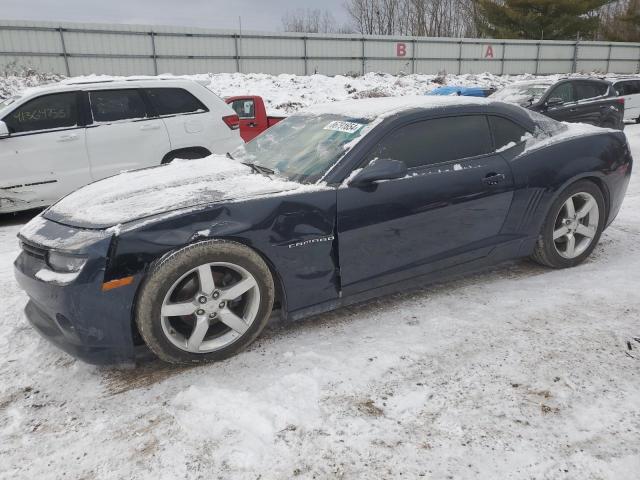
(64, 262)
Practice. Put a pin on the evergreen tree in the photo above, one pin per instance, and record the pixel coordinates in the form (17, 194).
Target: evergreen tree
(539, 19)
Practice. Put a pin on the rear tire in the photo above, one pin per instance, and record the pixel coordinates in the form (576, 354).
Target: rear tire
(572, 227)
(204, 302)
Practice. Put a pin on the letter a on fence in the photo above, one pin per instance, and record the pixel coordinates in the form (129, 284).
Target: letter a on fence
(489, 52)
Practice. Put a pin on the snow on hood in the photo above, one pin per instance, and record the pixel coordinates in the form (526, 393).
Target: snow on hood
(142, 193)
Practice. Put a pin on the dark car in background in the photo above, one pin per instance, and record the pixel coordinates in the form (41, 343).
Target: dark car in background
(583, 100)
(336, 205)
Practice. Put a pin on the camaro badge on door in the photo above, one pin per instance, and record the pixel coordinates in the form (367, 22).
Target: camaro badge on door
(328, 238)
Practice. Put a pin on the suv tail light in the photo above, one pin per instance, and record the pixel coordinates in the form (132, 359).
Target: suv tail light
(620, 100)
(232, 121)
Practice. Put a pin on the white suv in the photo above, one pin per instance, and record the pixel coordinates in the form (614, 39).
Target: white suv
(629, 88)
(55, 139)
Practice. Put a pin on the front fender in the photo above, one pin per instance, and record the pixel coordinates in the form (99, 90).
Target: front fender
(293, 233)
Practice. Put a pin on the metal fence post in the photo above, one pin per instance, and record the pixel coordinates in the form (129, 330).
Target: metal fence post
(504, 48)
(153, 52)
(575, 57)
(306, 68)
(538, 59)
(413, 55)
(459, 57)
(364, 68)
(609, 58)
(64, 52)
(237, 52)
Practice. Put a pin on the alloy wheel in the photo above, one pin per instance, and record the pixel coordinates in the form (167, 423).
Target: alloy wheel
(210, 307)
(576, 225)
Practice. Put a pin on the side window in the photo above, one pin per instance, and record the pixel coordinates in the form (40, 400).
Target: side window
(114, 105)
(505, 132)
(245, 108)
(630, 87)
(620, 88)
(586, 90)
(563, 91)
(58, 110)
(173, 101)
(435, 141)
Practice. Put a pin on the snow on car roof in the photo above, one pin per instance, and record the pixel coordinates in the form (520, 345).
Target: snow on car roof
(371, 108)
(104, 81)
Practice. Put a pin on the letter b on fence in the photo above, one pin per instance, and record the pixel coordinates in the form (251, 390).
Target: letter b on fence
(401, 49)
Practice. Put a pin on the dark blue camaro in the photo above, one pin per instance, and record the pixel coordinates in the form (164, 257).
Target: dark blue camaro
(333, 206)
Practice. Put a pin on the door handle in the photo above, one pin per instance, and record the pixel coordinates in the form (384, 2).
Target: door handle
(68, 137)
(494, 178)
(252, 124)
(150, 127)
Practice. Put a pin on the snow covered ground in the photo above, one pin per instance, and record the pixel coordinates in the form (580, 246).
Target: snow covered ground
(520, 372)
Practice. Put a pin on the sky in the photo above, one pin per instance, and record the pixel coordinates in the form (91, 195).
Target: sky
(256, 14)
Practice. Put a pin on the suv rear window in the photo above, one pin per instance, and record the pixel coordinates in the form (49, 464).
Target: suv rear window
(114, 105)
(58, 110)
(585, 90)
(628, 87)
(173, 101)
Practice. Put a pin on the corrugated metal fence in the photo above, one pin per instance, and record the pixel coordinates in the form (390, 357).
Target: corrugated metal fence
(79, 49)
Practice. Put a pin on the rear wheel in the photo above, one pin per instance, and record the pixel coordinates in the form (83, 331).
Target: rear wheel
(204, 302)
(573, 226)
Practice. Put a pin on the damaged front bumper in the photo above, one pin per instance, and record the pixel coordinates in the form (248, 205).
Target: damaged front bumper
(73, 312)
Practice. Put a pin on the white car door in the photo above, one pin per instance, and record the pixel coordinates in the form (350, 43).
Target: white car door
(188, 120)
(631, 92)
(44, 157)
(123, 135)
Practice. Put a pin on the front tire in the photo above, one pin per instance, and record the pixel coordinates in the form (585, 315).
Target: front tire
(204, 302)
(573, 226)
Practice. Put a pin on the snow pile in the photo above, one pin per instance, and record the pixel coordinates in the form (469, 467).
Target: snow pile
(285, 93)
(14, 83)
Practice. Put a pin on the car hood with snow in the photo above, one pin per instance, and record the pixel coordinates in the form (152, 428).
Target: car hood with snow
(181, 184)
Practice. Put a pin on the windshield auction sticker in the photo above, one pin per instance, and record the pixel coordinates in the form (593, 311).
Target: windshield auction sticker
(346, 127)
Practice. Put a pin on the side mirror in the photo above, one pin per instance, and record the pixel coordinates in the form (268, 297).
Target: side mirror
(4, 130)
(379, 169)
(554, 102)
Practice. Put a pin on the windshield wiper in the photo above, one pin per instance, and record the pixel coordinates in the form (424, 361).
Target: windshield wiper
(255, 167)
(259, 168)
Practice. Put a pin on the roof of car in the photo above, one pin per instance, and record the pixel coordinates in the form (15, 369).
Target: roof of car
(386, 106)
(106, 83)
(624, 79)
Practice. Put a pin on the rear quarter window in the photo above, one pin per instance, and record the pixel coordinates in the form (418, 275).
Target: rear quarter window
(505, 132)
(174, 101)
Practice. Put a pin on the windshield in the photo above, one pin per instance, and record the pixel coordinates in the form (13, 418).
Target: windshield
(302, 148)
(527, 93)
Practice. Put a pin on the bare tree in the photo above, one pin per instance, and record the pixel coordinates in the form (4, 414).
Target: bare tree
(312, 21)
(444, 18)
